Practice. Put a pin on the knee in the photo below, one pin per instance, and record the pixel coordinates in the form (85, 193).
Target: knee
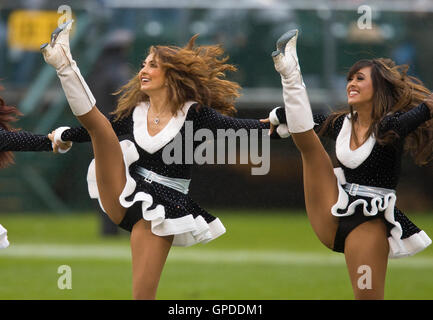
(325, 231)
(115, 216)
(329, 243)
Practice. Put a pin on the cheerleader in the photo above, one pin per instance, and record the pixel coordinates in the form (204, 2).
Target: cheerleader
(14, 140)
(136, 188)
(352, 208)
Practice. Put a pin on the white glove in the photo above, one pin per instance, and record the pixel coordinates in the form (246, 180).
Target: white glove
(273, 117)
(283, 131)
(281, 128)
(58, 139)
(4, 243)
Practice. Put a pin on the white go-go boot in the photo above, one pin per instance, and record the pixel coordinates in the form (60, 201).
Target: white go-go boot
(58, 54)
(296, 102)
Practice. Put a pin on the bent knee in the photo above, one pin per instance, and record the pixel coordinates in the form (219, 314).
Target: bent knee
(325, 228)
(116, 216)
(327, 242)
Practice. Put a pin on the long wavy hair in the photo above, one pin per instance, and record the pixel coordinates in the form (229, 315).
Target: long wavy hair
(394, 91)
(193, 73)
(8, 114)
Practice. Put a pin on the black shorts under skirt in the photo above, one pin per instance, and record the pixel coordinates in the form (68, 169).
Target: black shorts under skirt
(347, 224)
(351, 209)
(132, 216)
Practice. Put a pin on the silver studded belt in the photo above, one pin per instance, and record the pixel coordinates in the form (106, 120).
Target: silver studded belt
(366, 191)
(181, 185)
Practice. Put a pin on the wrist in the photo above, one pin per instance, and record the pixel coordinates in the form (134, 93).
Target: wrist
(58, 134)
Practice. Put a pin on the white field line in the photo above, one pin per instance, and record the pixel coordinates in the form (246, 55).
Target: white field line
(118, 252)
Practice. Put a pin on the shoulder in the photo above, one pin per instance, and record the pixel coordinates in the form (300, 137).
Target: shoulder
(339, 120)
(333, 121)
(390, 121)
(127, 117)
(420, 111)
(124, 118)
(334, 124)
(198, 111)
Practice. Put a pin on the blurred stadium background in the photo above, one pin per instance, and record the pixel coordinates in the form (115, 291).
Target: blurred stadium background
(330, 42)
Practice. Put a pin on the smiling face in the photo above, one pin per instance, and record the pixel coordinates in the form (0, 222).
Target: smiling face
(360, 89)
(151, 75)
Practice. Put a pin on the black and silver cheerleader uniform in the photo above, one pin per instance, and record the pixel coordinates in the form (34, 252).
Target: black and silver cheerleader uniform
(378, 166)
(20, 141)
(171, 212)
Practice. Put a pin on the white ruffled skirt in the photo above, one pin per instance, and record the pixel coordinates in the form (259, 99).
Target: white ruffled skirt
(182, 218)
(398, 247)
(4, 243)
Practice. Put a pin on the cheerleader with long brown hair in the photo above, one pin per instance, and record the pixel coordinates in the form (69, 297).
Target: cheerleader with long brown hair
(352, 208)
(177, 89)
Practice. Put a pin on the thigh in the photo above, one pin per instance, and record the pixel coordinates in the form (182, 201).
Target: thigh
(109, 164)
(320, 186)
(149, 253)
(366, 252)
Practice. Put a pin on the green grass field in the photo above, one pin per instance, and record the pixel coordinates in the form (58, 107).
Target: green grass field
(263, 255)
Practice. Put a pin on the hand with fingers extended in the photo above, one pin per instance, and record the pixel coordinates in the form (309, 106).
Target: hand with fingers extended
(59, 146)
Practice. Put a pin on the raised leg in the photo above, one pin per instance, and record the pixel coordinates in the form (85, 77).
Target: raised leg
(366, 247)
(320, 187)
(109, 165)
(149, 253)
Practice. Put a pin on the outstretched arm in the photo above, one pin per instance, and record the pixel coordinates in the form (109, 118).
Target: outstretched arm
(404, 123)
(80, 134)
(23, 141)
(209, 118)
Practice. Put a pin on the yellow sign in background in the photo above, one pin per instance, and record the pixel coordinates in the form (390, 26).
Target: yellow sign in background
(28, 29)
